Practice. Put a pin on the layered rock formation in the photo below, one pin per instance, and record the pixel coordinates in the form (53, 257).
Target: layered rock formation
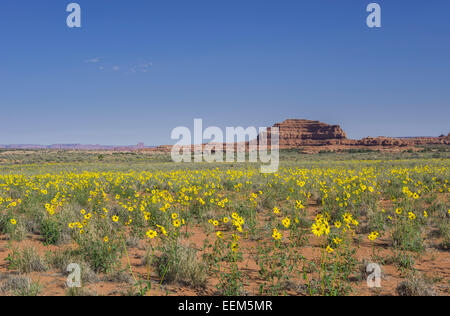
(403, 142)
(418, 141)
(294, 133)
(293, 130)
(381, 141)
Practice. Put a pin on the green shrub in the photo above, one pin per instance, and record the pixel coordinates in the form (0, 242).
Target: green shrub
(51, 231)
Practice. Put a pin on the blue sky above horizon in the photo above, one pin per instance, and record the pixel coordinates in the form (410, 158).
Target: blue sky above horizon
(137, 69)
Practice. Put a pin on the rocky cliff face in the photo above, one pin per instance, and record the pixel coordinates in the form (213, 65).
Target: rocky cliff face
(417, 141)
(403, 142)
(294, 133)
(304, 129)
(381, 141)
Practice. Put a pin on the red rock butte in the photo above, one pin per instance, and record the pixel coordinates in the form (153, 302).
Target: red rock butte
(304, 129)
(295, 133)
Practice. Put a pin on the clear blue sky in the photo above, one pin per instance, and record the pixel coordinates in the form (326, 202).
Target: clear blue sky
(138, 68)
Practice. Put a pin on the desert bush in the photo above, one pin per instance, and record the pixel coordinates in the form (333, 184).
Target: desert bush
(101, 256)
(119, 276)
(20, 286)
(415, 285)
(180, 264)
(60, 260)
(403, 261)
(14, 283)
(444, 233)
(80, 291)
(408, 236)
(9, 226)
(26, 260)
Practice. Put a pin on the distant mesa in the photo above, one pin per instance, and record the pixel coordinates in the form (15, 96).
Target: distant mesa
(294, 133)
(303, 129)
